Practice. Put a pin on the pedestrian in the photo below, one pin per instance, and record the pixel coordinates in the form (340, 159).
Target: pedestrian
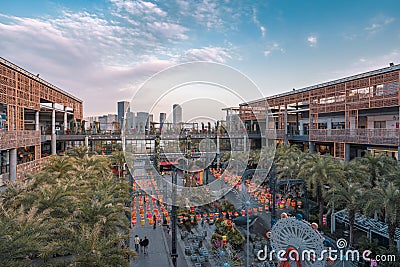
(168, 229)
(137, 242)
(145, 244)
(141, 245)
(154, 221)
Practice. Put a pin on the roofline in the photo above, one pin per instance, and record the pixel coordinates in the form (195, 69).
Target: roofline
(34, 77)
(320, 85)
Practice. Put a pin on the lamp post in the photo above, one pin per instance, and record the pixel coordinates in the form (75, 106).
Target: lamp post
(174, 254)
(247, 232)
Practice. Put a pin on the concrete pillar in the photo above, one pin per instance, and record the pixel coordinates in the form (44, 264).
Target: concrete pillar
(86, 141)
(65, 119)
(301, 128)
(329, 125)
(92, 145)
(311, 147)
(347, 152)
(286, 127)
(53, 132)
(37, 126)
(13, 164)
(244, 143)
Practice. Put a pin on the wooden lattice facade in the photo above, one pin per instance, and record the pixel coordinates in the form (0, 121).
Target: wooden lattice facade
(349, 97)
(22, 91)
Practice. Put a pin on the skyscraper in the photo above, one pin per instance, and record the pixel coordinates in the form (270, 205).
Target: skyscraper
(123, 106)
(163, 117)
(176, 114)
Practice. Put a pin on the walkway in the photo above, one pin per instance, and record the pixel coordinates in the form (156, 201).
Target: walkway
(157, 252)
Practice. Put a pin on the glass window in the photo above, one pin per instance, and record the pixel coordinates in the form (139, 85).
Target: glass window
(379, 124)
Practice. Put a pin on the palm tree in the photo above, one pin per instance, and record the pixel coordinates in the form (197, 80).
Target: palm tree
(385, 199)
(378, 165)
(118, 159)
(348, 192)
(319, 170)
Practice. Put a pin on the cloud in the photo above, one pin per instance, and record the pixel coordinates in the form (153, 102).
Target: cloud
(312, 40)
(378, 23)
(214, 54)
(257, 22)
(273, 47)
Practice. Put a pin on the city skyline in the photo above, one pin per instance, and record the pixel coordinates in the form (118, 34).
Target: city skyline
(103, 50)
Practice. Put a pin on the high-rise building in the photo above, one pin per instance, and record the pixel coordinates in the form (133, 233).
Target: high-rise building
(141, 121)
(176, 114)
(123, 106)
(163, 117)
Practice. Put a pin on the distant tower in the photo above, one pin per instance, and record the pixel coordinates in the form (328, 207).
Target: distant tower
(123, 106)
(176, 114)
(163, 117)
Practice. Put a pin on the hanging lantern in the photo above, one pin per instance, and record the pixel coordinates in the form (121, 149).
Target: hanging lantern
(198, 217)
(249, 211)
(211, 217)
(134, 221)
(228, 222)
(260, 209)
(224, 239)
(230, 214)
(293, 203)
(192, 219)
(243, 213)
(216, 215)
(266, 208)
(142, 222)
(192, 209)
(236, 214)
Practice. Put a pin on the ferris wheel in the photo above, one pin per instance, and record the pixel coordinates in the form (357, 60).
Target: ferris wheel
(301, 244)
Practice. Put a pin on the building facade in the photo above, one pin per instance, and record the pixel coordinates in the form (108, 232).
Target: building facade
(32, 113)
(345, 117)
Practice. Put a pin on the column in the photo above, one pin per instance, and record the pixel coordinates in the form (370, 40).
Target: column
(311, 146)
(329, 125)
(53, 131)
(87, 141)
(244, 144)
(286, 127)
(13, 164)
(301, 127)
(347, 152)
(65, 119)
(37, 126)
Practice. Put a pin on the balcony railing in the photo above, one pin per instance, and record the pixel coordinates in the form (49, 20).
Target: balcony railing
(361, 136)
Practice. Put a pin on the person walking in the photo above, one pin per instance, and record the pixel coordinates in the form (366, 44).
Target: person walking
(154, 221)
(137, 242)
(145, 244)
(141, 245)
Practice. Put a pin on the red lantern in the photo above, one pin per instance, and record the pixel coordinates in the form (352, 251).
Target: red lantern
(293, 203)
(243, 213)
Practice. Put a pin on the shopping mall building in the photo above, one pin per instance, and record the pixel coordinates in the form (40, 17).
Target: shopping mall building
(32, 112)
(344, 117)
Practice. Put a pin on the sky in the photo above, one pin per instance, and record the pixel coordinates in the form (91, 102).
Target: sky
(102, 51)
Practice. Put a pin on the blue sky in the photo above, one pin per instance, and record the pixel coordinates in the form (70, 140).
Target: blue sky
(101, 51)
